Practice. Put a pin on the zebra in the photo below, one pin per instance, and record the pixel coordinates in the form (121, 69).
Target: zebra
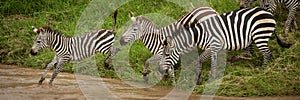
(271, 6)
(153, 37)
(234, 30)
(73, 48)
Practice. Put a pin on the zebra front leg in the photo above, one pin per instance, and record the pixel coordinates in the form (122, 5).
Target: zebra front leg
(213, 65)
(59, 66)
(113, 52)
(172, 74)
(145, 72)
(49, 66)
(214, 54)
(204, 55)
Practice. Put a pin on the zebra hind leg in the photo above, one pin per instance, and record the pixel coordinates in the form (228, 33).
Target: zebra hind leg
(288, 22)
(245, 55)
(295, 23)
(267, 57)
(113, 52)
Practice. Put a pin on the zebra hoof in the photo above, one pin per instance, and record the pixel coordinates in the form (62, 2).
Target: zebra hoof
(41, 81)
(106, 65)
(145, 78)
(165, 77)
(50, 83)
(233, 59)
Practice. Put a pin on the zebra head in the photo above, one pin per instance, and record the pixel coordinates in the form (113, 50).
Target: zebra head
(40, 41)
(137, 29)
(168, 50)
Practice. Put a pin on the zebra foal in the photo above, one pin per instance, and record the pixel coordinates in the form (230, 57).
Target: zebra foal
(73, 48)
(234, 30)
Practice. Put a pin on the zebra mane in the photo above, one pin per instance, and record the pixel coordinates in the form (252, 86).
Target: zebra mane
(147, 20)
(51, 31)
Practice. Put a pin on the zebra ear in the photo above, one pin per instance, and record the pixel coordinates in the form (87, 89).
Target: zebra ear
(35, 29)
(132, 16)
(133, 19)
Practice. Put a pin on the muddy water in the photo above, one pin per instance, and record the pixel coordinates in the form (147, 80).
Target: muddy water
(17, 83)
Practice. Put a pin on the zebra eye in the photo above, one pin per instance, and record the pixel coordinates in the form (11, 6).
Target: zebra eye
(134, 29)
(38, 41)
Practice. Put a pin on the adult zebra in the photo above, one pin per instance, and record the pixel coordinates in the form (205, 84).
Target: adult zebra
(74, 48)
(271, 6)
(153, 37)
(235, 30)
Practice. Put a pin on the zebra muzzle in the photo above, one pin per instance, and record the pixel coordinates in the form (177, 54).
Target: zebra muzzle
(122, 42)
(33, 53)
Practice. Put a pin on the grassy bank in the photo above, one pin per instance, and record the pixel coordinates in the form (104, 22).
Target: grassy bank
(242, 77)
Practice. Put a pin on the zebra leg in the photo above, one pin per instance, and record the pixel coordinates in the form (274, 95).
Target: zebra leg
(264, 49)
(204, 55)
(145, 72)
(172, 75)
(49, 66)
(214, 64)
(113, 52)
(267, 56)
(59, 66)
(295, 23)
(288, 21)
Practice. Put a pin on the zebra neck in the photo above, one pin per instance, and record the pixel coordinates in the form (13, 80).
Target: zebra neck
(152, 42)
(58, 42)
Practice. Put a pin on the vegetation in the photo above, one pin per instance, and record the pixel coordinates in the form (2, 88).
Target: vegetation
(241, 78)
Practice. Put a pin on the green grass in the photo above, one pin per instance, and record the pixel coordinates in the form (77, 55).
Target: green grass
(242, 78)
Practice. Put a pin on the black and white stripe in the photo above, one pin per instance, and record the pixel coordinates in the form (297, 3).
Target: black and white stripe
(153, 37)
(73, 48)
(235, 30)
(271, 6)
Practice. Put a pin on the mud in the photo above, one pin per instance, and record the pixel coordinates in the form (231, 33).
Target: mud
(19, 83)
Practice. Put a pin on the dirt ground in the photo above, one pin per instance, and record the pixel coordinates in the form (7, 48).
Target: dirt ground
(19, 83)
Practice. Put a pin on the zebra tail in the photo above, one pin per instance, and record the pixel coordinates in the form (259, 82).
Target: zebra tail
(281, 43)
(115, 20)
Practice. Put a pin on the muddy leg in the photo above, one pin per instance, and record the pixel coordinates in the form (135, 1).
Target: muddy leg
(145, 72)
(49, 66)
(57, 70)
